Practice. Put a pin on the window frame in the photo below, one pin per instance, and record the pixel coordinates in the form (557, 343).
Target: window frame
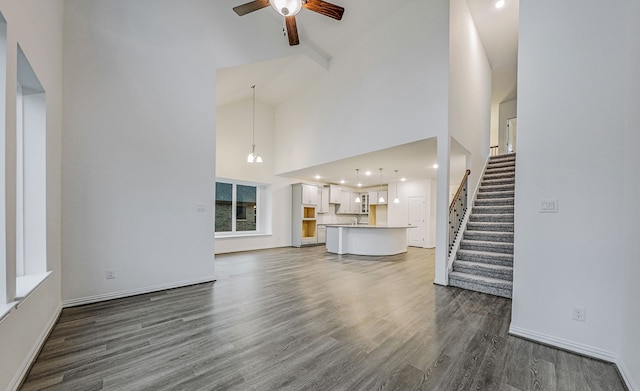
(263, 195)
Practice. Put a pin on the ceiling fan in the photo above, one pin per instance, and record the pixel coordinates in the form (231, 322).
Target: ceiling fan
(289, 9)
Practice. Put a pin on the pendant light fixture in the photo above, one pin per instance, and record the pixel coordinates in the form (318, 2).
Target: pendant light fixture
(396, 200)
(253, 156)
(381, 199)
(358, 200)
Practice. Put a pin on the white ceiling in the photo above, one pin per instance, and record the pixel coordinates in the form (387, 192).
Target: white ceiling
(413, 161)
(498, 31)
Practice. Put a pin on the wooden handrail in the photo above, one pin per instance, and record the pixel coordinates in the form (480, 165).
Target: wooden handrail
(453, 201)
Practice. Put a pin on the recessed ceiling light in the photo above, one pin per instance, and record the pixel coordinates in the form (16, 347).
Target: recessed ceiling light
(368, 173)
(500, 3)
(359, 184)
(342, 181)
(403, 179)
(435, 165)
(318, 177)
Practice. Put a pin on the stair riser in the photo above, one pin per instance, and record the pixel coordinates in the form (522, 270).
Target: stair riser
(483, 210)
(483, 272)
(495, 218)
(500, 171)
(490, 189)
(485, 259)
(503, 164)
(479, 226)
(488, 237)
(502, 292)
(501, 161)
(494, 202)
(498, 182)
(503, 248)
(497, 194)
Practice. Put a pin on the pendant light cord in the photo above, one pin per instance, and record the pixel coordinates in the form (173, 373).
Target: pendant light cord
(253, 126)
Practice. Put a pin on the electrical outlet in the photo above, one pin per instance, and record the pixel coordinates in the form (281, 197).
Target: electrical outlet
(580, 314)
(201, 208)
(110, 274)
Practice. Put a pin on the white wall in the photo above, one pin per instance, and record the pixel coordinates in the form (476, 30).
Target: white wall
(570, 130)
(507, 110)
(388, 88)
(629, 343)
(37, 27)
(233, 143)
(139, 142)
(469, 117)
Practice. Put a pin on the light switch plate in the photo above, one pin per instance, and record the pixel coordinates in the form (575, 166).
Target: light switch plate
(549, 206)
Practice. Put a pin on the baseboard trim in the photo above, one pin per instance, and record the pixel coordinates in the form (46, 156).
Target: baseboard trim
(626, 376)
(20, 375)
(134, 292)
(579, 348)
(565, 344)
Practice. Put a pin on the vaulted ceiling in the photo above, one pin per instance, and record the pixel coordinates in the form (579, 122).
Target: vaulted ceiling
(278, 79)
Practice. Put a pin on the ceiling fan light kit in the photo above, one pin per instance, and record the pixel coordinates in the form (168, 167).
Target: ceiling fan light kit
(289, 9)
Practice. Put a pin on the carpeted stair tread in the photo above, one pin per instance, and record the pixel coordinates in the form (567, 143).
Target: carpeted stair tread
(492, 188)
(495, 201)
(492, 217)
(485, 257)
(489, 236)
(500, 170)
(496, 194)
(499, 181)
(501, 164)
(483, 245)
(482, 284)
(492, 209)
(490, 226)
(511, 155)
(484, 269)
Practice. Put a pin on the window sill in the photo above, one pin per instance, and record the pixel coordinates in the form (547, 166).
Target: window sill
(27, 284)
(241, 235)
(6, 308)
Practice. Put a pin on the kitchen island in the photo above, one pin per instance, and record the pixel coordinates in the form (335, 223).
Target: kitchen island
(367, 239)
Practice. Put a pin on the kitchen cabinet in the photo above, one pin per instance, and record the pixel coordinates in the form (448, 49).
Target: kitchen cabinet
(309, 194)
(375, 195)
(322, 234)
(348, 204)
(323, 200)
(335, 194)
(364, 204)
(303, 214)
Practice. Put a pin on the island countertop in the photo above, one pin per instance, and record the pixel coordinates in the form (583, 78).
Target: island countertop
(367, 239)
(368, 226)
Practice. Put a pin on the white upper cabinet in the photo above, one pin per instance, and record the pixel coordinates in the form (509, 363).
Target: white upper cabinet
(323, 201)
(309, 195)
(374, 196)
(335, 194)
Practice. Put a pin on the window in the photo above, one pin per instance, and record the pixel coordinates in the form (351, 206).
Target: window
(4, 270)
(31, 169)
(241, 208)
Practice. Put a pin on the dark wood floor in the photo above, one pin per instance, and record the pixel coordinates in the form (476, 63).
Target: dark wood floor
(302, 319)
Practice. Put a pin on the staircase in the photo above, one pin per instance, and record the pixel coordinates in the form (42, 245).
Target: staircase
(484, 261)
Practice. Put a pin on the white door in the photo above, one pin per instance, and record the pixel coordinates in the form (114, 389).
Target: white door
(417, 235)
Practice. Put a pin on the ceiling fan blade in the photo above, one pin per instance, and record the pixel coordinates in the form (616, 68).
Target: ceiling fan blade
(292, 30)
(250, 7)
(324, 8)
